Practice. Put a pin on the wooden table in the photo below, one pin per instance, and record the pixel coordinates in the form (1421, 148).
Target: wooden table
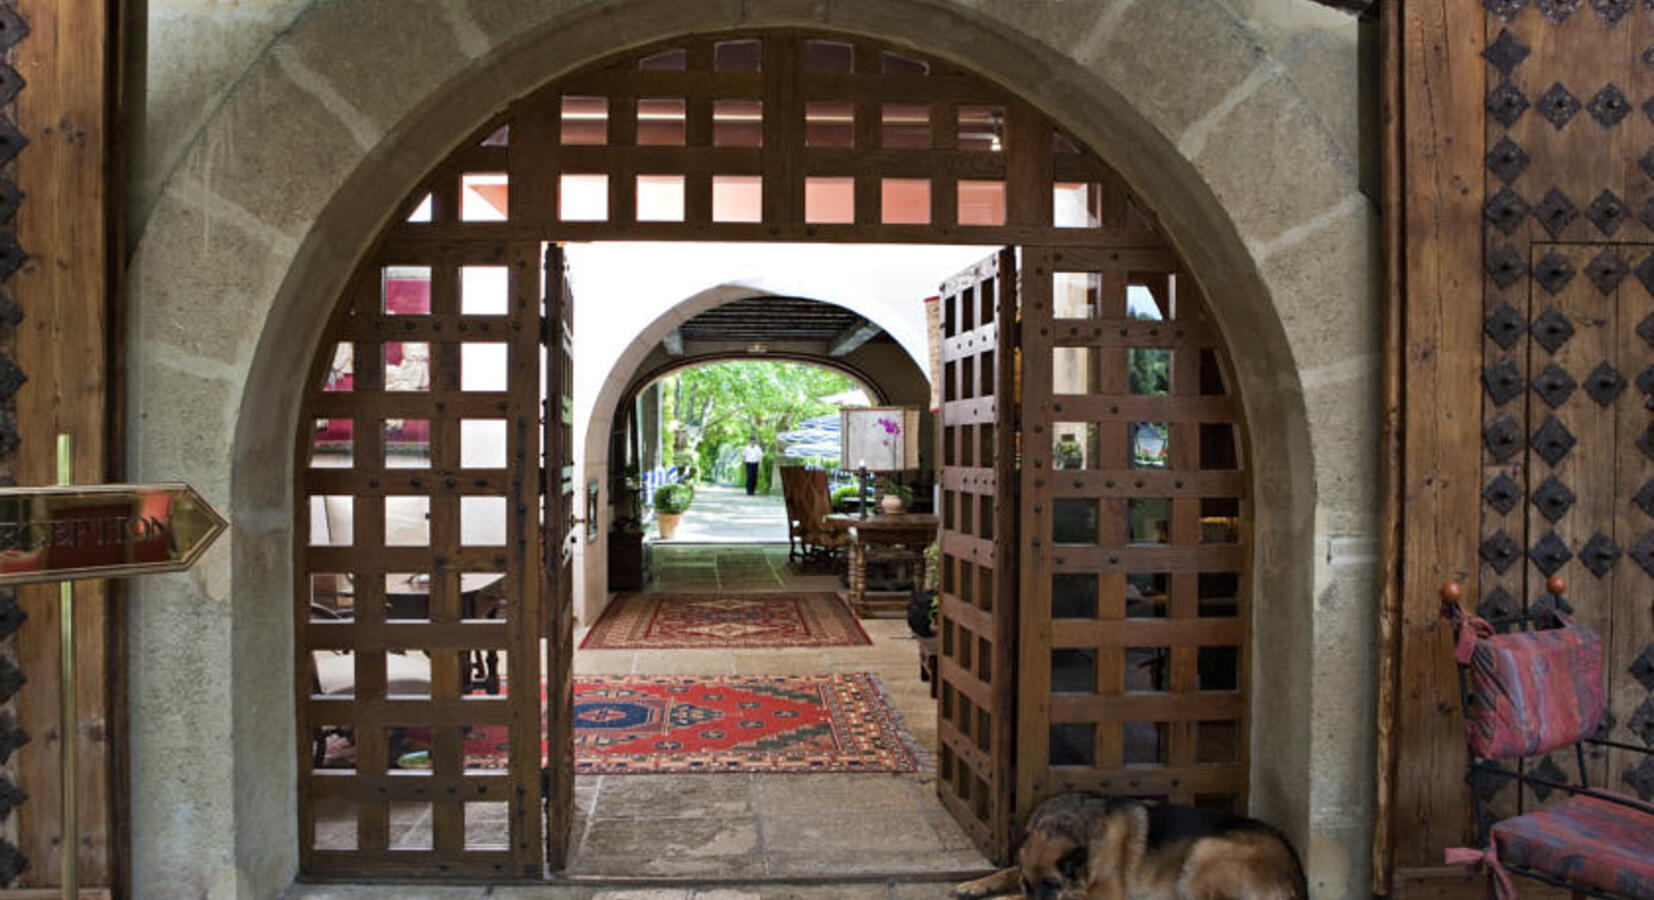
(897, 540)
(481, 596)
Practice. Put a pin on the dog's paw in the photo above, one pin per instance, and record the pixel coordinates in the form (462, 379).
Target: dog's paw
(1004, 883)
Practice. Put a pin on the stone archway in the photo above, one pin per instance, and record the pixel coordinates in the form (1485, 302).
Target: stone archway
(627, 374)
(288, 179)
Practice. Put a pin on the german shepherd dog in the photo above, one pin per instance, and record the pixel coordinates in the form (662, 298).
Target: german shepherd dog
(1090, 847)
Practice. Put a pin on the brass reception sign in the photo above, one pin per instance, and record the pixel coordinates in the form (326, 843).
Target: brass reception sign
(102, 531)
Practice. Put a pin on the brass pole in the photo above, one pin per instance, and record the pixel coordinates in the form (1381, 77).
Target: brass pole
(68, 720)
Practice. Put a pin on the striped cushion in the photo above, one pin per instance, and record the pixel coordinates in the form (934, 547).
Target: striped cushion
(1532, 692)
(1586, 841)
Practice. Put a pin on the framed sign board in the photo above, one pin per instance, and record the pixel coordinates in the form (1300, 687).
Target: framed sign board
(880, 438)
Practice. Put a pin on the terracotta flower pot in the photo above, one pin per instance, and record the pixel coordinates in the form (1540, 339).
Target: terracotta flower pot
(668, 523)
(891, 504)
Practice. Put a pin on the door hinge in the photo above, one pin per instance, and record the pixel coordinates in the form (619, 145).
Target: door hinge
(545, 785)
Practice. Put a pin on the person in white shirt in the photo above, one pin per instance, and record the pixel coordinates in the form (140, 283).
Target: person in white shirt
(752, 456)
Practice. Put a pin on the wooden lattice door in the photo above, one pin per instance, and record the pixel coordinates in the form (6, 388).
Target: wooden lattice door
(561, 534)
(977, 621)
(419, 577)
(1132, 544)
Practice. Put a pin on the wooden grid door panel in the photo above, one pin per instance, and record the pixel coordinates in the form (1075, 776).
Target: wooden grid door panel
(419, 594)
(775, 135)
(977, 620)
(1133, 647)
(561, 533)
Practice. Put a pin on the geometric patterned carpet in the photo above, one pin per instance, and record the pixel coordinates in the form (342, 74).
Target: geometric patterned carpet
(647, 724)
(685, 724)
(685, 621)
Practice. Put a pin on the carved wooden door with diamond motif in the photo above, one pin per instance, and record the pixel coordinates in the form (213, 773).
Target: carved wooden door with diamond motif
(1528, 192)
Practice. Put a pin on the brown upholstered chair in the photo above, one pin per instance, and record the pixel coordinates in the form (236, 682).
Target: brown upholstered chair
(792, 489)
(821, 544)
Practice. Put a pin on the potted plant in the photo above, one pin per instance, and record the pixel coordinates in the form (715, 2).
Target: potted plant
(896, 498)
(671, 502)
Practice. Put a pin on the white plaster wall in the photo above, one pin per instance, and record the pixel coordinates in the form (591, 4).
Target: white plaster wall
(268, 164)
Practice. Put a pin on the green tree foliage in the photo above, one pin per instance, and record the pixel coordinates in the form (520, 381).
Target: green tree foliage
(716, 406)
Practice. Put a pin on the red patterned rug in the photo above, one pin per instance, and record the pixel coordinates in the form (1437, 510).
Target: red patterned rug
(685, 724)
(682, 621)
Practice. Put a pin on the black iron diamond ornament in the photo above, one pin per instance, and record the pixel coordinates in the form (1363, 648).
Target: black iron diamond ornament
(1504, 9)
(1606, 270)
(1643, 552)
(1555, 212)
(1499, 604)
(1507, 160)
(1503, 382)
(1552, 441)
(1641, 779)
(1547, 770)
(1645, 502)
(1504, 266)
(1558, 105)
(1506, 210)
(1550, 554)
(1503, 325)
(1609, 106)
(11, 736)
(1552, 329)
(1642, 668)
(1553, 385)
(1506, 53)
(1557, 11)
(1604, 384)
(1599, 554)
(1608, 212)
(1645, 274)
(1553, 499)
(1611, 11)
(1502, 493)
(1503, 438)
(1641, 722)
(1506, 104)
(1500, 552)
(1553, 272)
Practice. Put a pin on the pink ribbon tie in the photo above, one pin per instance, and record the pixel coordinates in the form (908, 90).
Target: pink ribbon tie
(1503, 887)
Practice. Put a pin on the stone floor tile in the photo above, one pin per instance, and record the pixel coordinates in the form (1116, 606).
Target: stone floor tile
(684, 662)
(604, 662)
(675, 796)
(947, 829)
(782, 795)
(876, 890)
(641, 843)
(383, 892)
(843, 834)
(875, 862)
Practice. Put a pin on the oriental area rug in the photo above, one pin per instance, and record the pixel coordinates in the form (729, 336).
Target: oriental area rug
(686, 724)
(694, 621)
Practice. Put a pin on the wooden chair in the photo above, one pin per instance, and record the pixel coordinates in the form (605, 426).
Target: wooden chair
(792, 481)
(820, 543)
(1530, 685)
